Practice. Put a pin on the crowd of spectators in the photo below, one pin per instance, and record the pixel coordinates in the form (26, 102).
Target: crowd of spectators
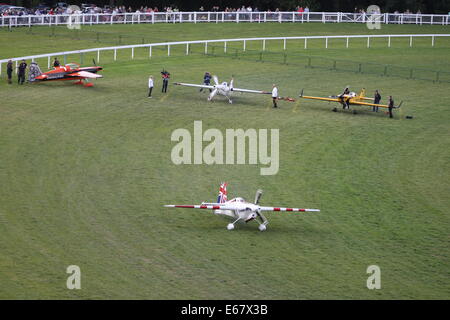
(19, 11)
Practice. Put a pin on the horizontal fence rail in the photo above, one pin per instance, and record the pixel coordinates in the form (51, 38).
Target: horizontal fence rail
(209, 44)
(219, 17)
(333, 64)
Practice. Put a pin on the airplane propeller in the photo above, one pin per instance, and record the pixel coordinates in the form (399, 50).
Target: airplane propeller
(258, 195)
(212, 94)
(216, 80)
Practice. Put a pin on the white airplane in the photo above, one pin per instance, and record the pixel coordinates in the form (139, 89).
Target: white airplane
(240, 210)
(225, 89)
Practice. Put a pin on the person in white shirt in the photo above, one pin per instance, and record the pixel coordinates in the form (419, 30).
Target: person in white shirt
(150, 86)
(274, 95)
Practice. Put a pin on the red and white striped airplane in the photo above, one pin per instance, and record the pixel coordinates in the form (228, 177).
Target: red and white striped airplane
(240, 210)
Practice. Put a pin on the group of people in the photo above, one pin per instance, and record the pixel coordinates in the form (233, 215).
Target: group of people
(21, 69)
(165, 75)
(345, 97)
(122, 9)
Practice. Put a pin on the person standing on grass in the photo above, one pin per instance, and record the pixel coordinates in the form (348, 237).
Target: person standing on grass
(206, 80)
(391, 106)
(166, 76)
(9, 70)
(376, 100)
(274, 95)
(21, 73)
(150, 86)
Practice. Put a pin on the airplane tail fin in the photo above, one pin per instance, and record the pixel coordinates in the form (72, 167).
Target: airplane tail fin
(222, 198)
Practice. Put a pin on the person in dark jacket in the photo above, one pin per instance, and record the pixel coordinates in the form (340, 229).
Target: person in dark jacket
(376, 100)
(9, 71)
(206, 80)
(56, 63)
(391, 106)
(345, 100)
(165, 76)
(21, 73)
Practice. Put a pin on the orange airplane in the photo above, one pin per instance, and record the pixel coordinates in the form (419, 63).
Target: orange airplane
(71, 71)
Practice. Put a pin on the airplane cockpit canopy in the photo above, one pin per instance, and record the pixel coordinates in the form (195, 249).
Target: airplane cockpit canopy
(73, 65)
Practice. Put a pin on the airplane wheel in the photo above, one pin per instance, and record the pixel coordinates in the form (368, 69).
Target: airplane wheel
(262, 227)
(230, 226)
(334, 110)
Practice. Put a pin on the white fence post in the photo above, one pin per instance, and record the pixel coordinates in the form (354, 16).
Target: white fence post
(368, 42)
(115, 54)
(284, 44)
(132, 53)
(410, 41)
(264, 45)
(168, 50)
(225, 46)
(98, 55)
(206, 47)
(389, 41)
(187, 48)
(432, 41)
(306, 43)
(347, 43)
(326, 43)
(245, 44)
(150, 51)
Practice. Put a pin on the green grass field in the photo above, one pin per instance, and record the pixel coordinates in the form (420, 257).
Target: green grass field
(85, 173)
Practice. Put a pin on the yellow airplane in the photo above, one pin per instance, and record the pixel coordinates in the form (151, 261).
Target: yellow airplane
(348, 98)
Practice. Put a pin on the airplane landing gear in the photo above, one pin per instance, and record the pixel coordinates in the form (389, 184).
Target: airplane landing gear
(230, 226)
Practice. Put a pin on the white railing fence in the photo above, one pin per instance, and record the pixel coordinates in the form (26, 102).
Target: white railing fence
(244, 41)
(218, 17)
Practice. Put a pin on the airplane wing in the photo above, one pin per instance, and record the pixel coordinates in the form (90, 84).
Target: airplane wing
(320, 98)
(331, 99)
(193, 85)
(85, 74)
(202, 206)
(288, 209)
(250, 91)
(360, 103)
(374, 104)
